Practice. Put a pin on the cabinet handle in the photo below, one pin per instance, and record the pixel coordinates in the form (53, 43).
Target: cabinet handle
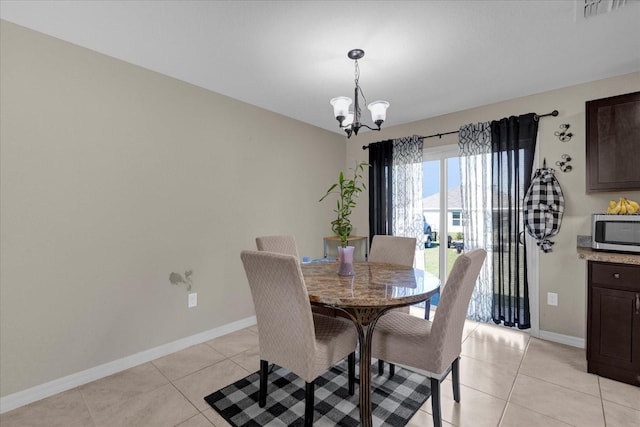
(616, 275)
(637, 303)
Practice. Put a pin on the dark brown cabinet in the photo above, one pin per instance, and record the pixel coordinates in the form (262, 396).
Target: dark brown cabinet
(613, 324)
(613, 143)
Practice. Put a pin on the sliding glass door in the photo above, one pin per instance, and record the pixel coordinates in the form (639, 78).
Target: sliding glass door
(443, 216)
(442, 210)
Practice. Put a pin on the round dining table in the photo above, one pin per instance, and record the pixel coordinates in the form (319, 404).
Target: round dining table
(374, 289)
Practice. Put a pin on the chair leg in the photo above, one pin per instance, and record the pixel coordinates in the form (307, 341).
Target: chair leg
(308, 404)
(427, 309)
(262, 394)
(392, 368)
(455, 379)
(351, 361)
(435, 402)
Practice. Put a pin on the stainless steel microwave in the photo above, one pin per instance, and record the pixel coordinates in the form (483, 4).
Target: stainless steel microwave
(616, 233)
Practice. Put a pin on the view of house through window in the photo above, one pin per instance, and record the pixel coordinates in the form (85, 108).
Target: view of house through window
(441, 208)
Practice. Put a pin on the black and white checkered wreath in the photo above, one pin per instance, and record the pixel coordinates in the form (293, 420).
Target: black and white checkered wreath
(543, 208)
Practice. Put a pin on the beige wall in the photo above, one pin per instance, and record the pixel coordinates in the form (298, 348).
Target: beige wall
(112, 177)
(560, 271)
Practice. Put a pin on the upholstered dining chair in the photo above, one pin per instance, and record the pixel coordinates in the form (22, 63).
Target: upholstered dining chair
(432, 347)
(287, 245)
(279, 244)
(289, 334)
(392, 250)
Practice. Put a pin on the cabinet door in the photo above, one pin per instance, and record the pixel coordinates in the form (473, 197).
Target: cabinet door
(613, 143)
(615, 328)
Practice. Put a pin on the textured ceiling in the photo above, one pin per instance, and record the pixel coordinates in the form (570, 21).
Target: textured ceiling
(425, 57)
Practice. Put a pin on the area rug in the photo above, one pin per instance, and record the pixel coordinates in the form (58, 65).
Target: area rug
(394, 400)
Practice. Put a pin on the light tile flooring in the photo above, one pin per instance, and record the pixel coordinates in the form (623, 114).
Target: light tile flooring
(508, 379)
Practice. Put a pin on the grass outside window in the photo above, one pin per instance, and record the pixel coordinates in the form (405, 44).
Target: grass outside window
(432, 259)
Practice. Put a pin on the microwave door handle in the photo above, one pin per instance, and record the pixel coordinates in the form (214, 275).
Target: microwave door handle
(599, 234)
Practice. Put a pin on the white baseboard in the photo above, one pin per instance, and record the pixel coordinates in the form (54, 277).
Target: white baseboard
(562, 339)
(21, 398)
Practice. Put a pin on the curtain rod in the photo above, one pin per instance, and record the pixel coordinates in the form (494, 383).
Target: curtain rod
(554, 113)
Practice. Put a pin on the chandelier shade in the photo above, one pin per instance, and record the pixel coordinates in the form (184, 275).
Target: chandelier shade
(378, 111)
(341, 106)
(349, 120)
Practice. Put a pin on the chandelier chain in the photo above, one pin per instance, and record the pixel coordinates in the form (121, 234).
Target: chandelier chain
(359, 89)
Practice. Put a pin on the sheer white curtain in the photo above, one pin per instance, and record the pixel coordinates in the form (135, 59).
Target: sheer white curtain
(475, 184)
(407, 189)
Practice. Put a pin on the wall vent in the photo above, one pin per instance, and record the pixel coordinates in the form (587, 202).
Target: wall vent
(591, 8)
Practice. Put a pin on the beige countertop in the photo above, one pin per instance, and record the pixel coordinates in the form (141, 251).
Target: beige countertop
(620, 258)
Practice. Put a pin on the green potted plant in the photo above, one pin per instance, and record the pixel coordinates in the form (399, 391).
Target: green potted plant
(347, 190)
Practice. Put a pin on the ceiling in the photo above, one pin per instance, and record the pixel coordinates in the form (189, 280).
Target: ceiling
(426, 58)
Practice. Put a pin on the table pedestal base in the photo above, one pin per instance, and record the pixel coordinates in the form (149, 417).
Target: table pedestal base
(365, 320)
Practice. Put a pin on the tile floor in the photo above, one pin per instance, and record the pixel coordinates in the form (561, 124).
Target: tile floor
(508, 379)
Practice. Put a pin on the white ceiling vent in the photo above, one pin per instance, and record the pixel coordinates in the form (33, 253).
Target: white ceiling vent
(591, 8)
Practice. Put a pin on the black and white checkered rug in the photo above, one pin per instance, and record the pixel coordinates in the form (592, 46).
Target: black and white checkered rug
(394, 400)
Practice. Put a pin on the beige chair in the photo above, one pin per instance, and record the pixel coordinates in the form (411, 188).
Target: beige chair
(287, 245)
(432, 347)
(278, 244)
(393, 250)
(289, 334)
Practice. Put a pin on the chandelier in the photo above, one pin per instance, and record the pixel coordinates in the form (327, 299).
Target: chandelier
(350, 120)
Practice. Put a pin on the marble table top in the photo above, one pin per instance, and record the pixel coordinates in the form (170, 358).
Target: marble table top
(373, 285)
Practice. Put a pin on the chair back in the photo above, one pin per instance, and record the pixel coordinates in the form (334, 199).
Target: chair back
(448, 323)
(278, 244)
(285, 324)
(393, 250)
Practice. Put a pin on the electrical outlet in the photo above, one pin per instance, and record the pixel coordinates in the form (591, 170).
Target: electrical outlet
(552, 298)
(193, 300)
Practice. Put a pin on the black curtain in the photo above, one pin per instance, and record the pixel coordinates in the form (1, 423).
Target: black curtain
(380, 213)
(513, 143)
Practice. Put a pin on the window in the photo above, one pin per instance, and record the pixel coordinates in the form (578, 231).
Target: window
(455, 218)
